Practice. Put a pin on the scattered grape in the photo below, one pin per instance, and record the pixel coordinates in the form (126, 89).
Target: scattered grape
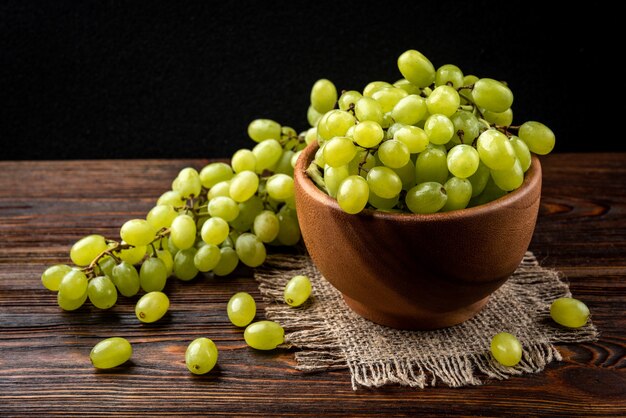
(264, 335)
(111, 352)
(241, 309)
(152, 306)
(569, 312)
(297, 290)
(506, 349)
(201, 356)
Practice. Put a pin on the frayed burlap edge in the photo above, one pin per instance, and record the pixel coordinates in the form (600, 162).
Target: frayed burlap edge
(320, 330)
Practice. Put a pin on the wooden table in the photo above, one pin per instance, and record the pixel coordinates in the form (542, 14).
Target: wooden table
(44, 363)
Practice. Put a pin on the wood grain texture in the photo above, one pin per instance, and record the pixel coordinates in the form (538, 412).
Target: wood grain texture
(44, 365)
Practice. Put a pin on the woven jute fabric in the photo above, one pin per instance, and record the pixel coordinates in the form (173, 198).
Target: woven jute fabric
(329, 335)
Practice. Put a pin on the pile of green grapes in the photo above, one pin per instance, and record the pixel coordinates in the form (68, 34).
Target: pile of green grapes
(432, 141)
(435, 140)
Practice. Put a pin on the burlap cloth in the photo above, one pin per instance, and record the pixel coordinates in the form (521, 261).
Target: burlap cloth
(330, 336)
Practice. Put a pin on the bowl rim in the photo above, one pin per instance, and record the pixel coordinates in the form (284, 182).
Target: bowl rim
(532, 180)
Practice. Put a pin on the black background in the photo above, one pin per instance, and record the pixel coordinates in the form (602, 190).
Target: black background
(184, 79)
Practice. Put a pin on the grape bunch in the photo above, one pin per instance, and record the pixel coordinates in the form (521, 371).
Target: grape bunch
(433, 141)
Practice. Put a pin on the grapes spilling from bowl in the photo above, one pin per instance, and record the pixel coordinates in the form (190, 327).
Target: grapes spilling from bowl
(433, 141)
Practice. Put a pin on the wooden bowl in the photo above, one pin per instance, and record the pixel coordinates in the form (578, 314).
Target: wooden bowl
(414, 271)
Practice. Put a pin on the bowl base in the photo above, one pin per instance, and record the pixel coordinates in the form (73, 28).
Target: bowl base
(424, 320)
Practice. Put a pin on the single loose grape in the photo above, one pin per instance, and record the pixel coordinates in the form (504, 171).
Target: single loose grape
(297, 290)
(111, 352)
(506, 349)
(201, 356)
(86, 249)
(241, 309)
(569, 312)
(264, 335)
(52, 276)
(152, 306)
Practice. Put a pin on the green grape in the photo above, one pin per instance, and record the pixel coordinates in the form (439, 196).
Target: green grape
(241, 309)
(467, 123)
(248, 210)
(479, 179)
(297, 290)
(503, 118)
(86, 249)
(373, 86)
(223, 207)
(539, 138)
(101, 292)
(161, 216)
(311, 135)
(463, 160)
(262, 129)
(110, 353)
(384, 182)
(105, 265)
(184, 266)
(243, 186)
(126, 279)
(201, 356)
(264, 335)
(413, 137)
(132, 255)
(323, 95)
(368, 134)
(407, 86)
(220, 189)
(368, 109)
(214, 173)
(393, 154)
(207, 257)
(490, 193)
(388, 97)
(410, 110)
(348, 99)
(333, 176)
(335, 123)
(137, 232)
(243, 160)
(52, 276)
(521, 152)
(73, 285)
(428, 197)
(443, 100)
(284, 164)
(280, 187)
(168, 260)
(250, 250)
(459, 192)
(469, 79)
(214, 231)
(569, 312)
(313, 116)
(353, 194)
(152, 306)
(71, 304)
(294, 158)
(449, 74)
(188, 183)
(172, 198)
(492, 95)
(510, 178)
(406, 174)
(319, 155)
(381, 203)
(266, 226)
(339, 151)
(439, 129)
(267, 154)
(416, 68)
(152, 274)
(183, 231)
(431, 165)
(289, 230)
(506, 349)
(495, 150)
(228, 262)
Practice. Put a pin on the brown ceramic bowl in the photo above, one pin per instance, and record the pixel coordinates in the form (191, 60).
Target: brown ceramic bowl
(417, 271)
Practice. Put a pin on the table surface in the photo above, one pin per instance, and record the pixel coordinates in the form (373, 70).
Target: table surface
(44, 352)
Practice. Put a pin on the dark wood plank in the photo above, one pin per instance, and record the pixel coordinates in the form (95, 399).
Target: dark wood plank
(44, 366)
